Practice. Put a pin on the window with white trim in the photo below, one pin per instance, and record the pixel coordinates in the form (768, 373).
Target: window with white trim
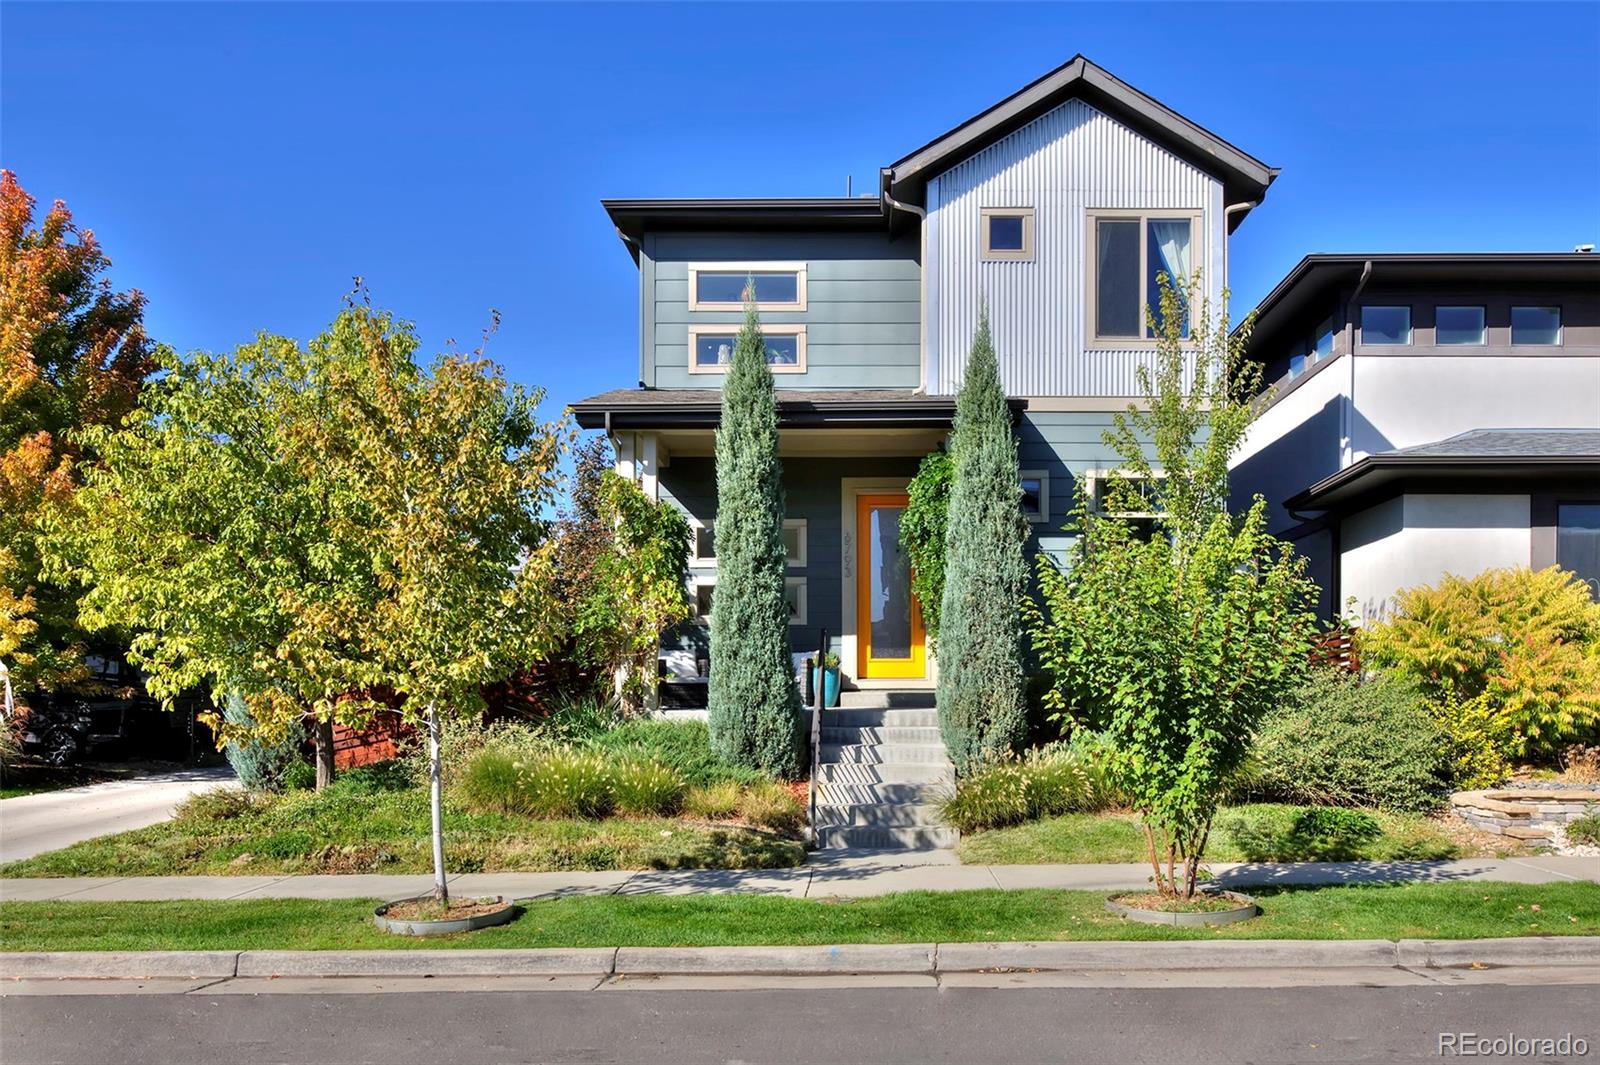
(1129, 252)
(794, 592)
(1127, 497)
(1036, 495)
(703, 542)
(1007, 233)
(711, 347)
(794, 542)
(704, 586)
(721, 286)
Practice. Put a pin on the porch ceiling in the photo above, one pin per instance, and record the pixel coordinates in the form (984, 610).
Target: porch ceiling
(814, 443)
(701, 408)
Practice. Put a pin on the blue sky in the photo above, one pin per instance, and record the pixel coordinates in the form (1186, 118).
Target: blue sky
(242, 162)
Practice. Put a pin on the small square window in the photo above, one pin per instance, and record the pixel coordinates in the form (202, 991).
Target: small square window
(704, 588)
(1007, 233)
(1536, 325)
(794, 542)
(794, 589)
(1322, 342)
(703, 548)
(1297, 365)
(1386, 325)
(1036, 495)
(1458, 325)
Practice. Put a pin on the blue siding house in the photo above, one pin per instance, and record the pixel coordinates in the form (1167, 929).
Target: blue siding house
(1057, 206)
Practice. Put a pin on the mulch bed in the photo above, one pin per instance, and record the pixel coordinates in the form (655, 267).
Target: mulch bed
(1151, 900)
(430, 910)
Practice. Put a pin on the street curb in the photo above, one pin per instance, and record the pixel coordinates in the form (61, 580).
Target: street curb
(121, 965)
(870, 959)
(552, 962)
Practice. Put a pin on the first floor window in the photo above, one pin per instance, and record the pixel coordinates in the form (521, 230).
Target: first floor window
(1536, 325)
(794, 589)
(1458, 325)
(794, 542)
(704, 588)
(1578, 542)
(1386, 325)
(1130, 255)
(1036, 495)
(711, 348)
(703, 546)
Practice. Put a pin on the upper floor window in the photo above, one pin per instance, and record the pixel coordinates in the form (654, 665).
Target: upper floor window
(1007, 233)
(1535, 325)
(1386, 325)
(711, 347)
(720, 286)
(1458, 325)
(1318, 346)
(1131, 250)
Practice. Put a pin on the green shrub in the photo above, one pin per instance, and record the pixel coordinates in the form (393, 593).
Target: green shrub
(1269, 833)
(1527, 644)
(982, 708)
(491, 782)
(567, 784)
(579, 718)
(772, 805)
(1339, 741)
(646, 788)
(713, 802)
(923, 526)
(1331, 834)
(260, 765)
(1007, 790)
(1585, 829)
(301, 776)
(218, 804)
(681, 745)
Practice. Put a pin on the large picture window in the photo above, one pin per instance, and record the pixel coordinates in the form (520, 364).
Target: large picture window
(1130, 252)
(711, 347)
(720, 286)
(1578, 542)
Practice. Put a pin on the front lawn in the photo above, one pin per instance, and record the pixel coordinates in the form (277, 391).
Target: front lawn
(1436, 911)
(376, 821)
(1258, 832)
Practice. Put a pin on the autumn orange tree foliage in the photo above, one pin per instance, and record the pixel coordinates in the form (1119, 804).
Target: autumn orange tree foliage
(73, 353)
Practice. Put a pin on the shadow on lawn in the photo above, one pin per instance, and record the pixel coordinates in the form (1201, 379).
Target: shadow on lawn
(1333, 874)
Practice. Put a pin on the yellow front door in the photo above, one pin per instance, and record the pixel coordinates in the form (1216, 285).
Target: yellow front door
(889, 641)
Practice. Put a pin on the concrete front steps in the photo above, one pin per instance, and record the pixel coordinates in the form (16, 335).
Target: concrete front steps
(883, 767)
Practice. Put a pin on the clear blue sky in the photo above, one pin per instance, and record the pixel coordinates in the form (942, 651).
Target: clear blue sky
(241, 162)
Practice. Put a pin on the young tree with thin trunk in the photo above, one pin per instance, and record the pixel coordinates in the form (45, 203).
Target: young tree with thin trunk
(982, 709)
(754, 704)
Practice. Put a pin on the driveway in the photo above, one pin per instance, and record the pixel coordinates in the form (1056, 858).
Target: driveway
(33, 824)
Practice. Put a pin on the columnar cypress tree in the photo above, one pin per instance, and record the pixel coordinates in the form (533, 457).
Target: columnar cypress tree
(754, 704)
(981, 701)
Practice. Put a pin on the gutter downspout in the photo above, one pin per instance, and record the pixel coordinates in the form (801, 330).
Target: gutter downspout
(1347, 417)
(922, 260)
(1228, 212)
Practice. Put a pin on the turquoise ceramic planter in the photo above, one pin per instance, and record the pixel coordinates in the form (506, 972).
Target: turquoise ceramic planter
(828, 680)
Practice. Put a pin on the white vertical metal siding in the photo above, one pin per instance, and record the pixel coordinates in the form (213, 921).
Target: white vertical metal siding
(1065, 163)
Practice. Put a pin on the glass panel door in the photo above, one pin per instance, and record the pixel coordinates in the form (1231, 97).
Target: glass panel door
(888, 619)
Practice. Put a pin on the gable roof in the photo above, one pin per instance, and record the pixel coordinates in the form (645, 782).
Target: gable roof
(1244, 177)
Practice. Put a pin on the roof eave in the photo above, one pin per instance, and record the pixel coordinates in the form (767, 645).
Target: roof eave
(1337, 490)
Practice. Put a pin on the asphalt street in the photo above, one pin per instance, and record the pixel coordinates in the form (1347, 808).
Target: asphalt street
(857, 1024)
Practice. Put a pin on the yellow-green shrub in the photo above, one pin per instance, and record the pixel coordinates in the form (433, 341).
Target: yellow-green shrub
(646, 788)
(771, 805)
(1510, 660)
(713, 802)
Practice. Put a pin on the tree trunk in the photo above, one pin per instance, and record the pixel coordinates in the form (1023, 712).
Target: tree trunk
(324, 734)
(441, 890)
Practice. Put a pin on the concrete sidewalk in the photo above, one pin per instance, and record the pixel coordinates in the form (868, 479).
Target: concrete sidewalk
(839, 875)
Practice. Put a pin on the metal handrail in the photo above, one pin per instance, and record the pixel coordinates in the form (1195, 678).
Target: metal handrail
(819, 682)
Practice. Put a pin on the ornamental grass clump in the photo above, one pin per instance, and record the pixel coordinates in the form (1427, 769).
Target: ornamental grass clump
(567, 784)
(645, 788)
(1007, 790)
(770, 804)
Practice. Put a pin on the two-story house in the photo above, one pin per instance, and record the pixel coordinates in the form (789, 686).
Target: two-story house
(1429, 414)
(1058, 206)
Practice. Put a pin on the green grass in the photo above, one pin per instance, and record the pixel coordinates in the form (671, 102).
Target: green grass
(1257, 832)
(1441, 911)
(377, 822)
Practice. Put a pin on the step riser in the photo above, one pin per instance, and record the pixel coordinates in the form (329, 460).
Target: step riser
(880, 719)
(886, 838)
(885, 773)
(912, 737)
(878, 698)
(888, 815)
(875, 753)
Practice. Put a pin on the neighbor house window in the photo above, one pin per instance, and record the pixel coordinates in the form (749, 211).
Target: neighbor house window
(1536, 325)
(711, 347)
(1036, 495)
(1578, 542)
(1007, 233)
(794, 542)
(1458, 325)
(1386, 325)
(1131, 251)
(720, 286)
(794, 591)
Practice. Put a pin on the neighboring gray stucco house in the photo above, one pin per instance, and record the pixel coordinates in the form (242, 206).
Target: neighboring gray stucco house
(1057, 206)
(1432, 414)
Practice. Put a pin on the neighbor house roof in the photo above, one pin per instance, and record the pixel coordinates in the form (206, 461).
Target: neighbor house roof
(691, 408)
(1481, 456)
(1309, 288)
(1244, 177)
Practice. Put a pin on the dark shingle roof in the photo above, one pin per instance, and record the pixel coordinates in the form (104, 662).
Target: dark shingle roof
(1511, 443)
